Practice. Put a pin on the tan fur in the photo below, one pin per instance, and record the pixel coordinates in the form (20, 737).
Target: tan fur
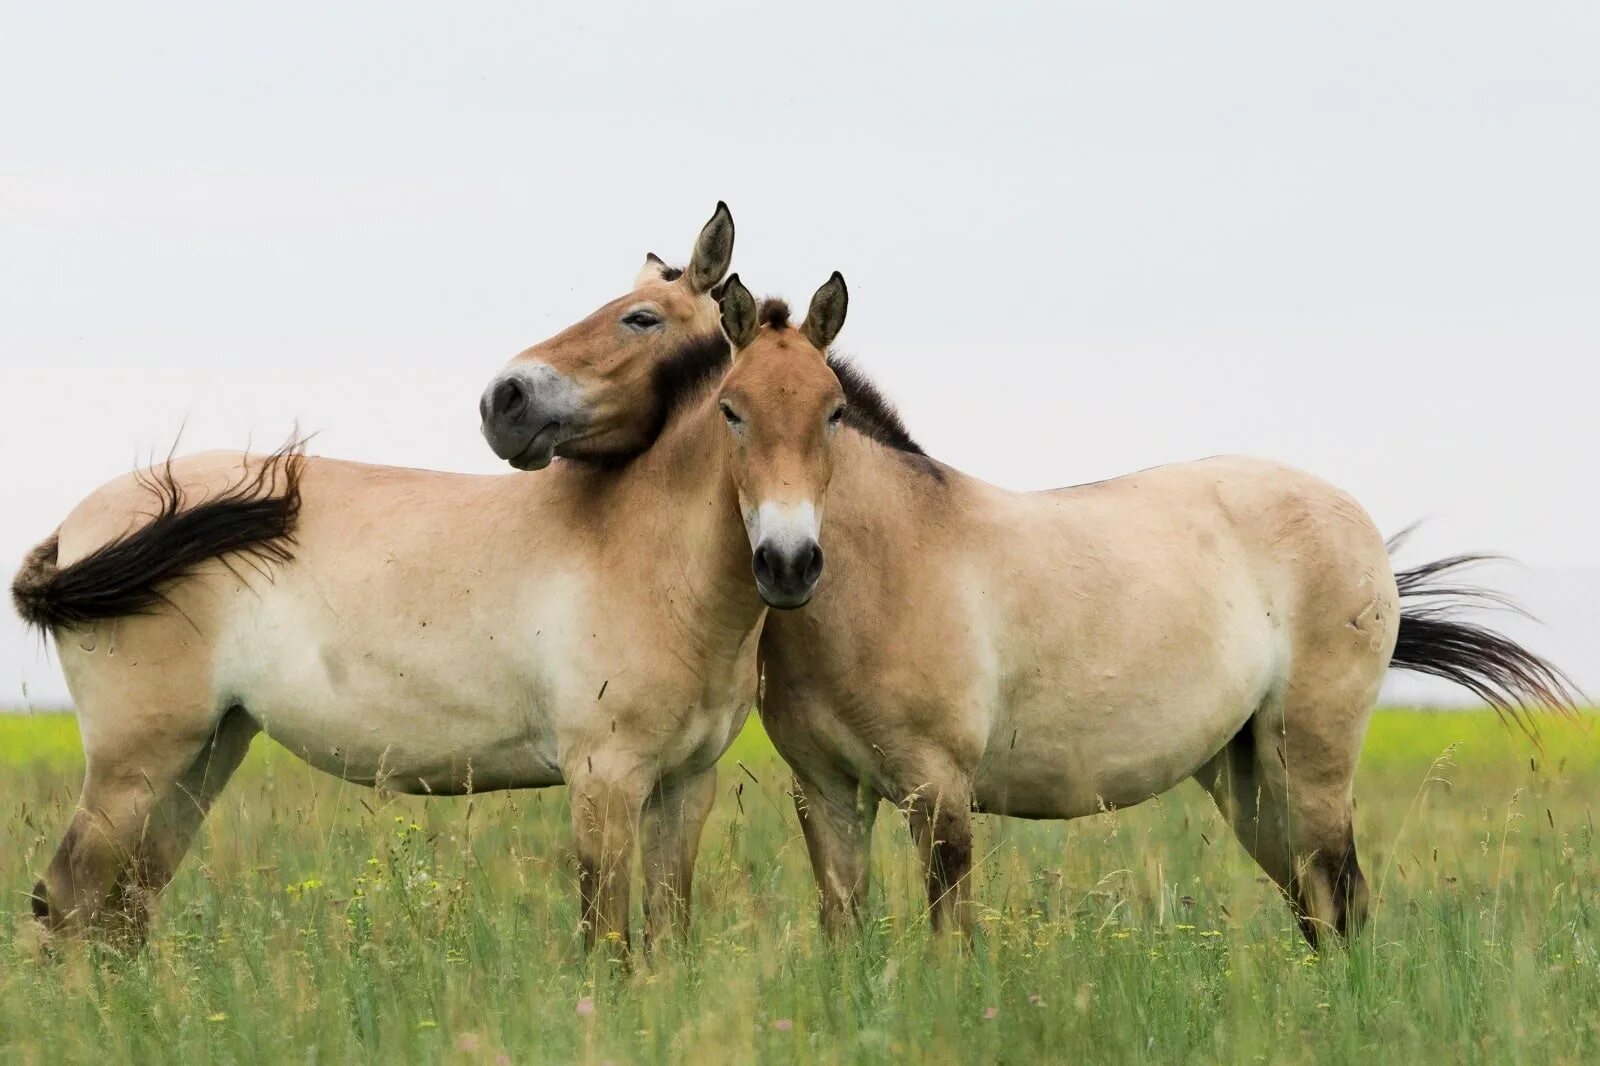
(769, 468)
(613, 367)
(1051, 655)
(441, 633)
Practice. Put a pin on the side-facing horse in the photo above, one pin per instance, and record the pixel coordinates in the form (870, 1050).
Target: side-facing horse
(1057, 654)
(440, 633)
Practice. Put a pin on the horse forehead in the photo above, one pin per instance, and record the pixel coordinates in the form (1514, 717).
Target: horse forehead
(670, 296)
(788, 413)
(783, 358)
(786, 394)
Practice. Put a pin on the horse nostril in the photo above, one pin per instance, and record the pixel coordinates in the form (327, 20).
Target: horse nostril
(509, 398)
(761, 563)
(810, 564)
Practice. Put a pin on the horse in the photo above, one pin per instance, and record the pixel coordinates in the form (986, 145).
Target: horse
(1058, 654)
(1053, 655)
(438, 633)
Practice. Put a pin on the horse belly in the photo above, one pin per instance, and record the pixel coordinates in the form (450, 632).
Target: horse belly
(407, 745)
(1082, 753)
(408, 712)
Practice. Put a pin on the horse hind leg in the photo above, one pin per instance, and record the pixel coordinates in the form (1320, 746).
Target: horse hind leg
(940, 812)
(1330, 891)
(137, 816)
(1284, 784)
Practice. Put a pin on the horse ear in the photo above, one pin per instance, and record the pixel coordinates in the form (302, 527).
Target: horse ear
(654, 269)
(713, 251)
(738, 313)
(826, 316)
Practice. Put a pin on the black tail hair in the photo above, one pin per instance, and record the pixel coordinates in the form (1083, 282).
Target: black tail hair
(254, 517)
(1496, 669)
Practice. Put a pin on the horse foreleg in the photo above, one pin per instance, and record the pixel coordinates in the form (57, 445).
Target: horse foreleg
(606, 807)
(836, 818)
(674, 817)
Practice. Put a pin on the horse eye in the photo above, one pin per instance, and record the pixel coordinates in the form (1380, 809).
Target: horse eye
(837, 416)
(731, 418)
(641, 320)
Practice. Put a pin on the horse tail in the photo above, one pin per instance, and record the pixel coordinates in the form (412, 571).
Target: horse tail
(1507, 676)
(255, 517)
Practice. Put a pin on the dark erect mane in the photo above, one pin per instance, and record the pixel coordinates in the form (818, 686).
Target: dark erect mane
(675, 383)
(699, 363)
(671, 273)
(774, 312)
(869, 411)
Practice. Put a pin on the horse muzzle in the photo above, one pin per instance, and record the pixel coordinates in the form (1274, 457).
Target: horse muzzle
(528, 411)
(787, 573)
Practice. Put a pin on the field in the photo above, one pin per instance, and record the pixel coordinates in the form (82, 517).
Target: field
(320, 922)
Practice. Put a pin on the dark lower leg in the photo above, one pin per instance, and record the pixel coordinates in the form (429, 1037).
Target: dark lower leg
(1329, 894)
(943, 830)
(836, 820)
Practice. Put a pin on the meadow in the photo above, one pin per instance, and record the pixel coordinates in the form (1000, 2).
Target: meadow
(317, 921)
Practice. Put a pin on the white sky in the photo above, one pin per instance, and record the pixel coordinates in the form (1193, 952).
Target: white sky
(1080, 238)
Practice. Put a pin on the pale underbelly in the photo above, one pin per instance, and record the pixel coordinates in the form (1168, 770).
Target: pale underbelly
(415, 749)
(419, 724)
(1072, 766)
(1077, 740)
(413, 716)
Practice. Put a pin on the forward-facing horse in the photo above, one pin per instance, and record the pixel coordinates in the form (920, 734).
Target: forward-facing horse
(1057, 654)
(440, 633)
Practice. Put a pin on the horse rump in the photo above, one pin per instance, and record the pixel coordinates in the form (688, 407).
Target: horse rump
(255, 517)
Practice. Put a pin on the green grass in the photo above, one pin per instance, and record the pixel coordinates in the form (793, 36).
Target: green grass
(319, 921)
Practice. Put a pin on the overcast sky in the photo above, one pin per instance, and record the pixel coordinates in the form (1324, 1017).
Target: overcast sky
(1080, 238)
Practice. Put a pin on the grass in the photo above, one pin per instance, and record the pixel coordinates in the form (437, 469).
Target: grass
(318, 921)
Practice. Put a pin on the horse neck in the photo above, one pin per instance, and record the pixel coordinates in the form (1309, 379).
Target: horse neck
(671, 516)
(882, 492)
(687, 488)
